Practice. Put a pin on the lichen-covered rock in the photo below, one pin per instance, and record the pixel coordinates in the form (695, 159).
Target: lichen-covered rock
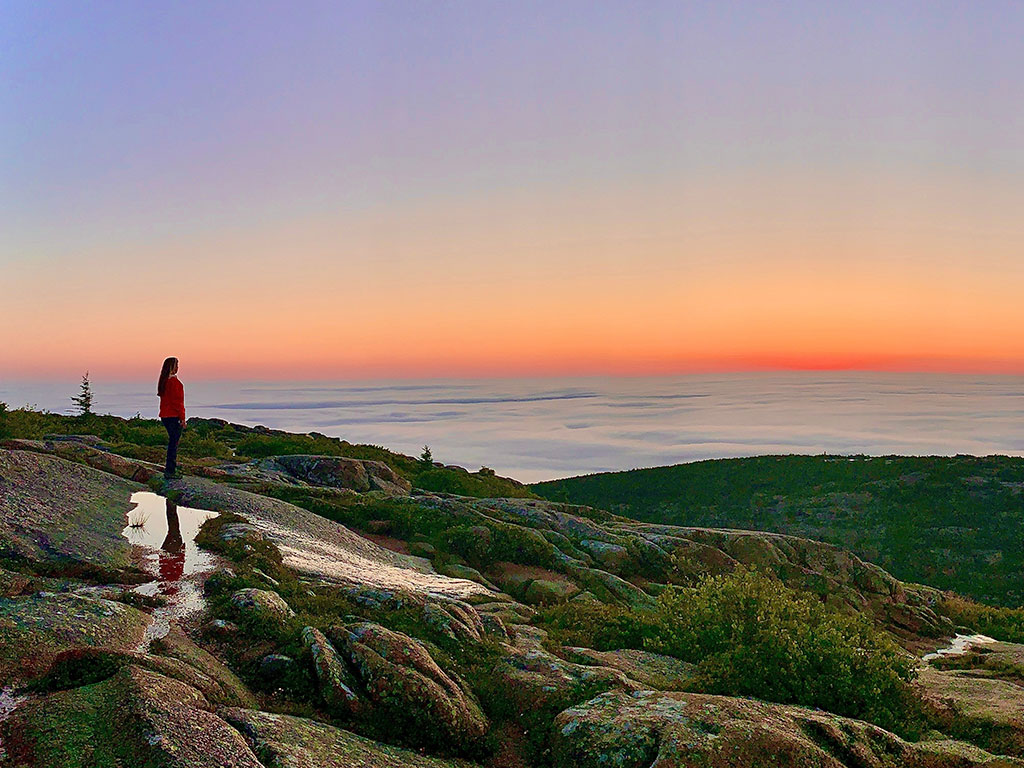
(220, 628)
(547, 592)
(53, 510)
(460, 571)
(648, 729)
(607, 554)
(454, 619)
(261, 604)
(135, 717)
(36, 628)
(651, 669)
(976, 706)
(534, 678)
(338, 686)
(406, 687)
(338, 472)
(300, 743)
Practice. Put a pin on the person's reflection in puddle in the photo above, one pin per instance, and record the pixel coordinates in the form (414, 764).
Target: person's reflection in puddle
(172, 552)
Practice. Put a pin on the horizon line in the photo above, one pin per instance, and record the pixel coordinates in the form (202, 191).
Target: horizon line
(1009, 370)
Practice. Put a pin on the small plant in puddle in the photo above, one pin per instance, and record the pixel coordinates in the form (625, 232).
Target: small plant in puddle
(137, 519)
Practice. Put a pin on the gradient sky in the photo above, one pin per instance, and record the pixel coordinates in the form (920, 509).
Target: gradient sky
(475, 188)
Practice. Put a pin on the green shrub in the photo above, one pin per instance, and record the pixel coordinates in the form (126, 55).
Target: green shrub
(752, 636)
(1005, 624)
(484, 485)
(598, 626)
(258, 446)
(3, 420)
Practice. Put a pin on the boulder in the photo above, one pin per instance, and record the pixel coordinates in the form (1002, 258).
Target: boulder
(34, 630)
(134, 717)
(423, 704)
(262, 605)
(650, 669)
(648, 729)
(338, 686)
(285, 740)
(339, 472)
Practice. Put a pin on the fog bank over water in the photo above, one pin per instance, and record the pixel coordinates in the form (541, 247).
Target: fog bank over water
(539, 429)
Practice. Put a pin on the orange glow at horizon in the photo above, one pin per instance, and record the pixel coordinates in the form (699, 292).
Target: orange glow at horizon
(621, 282)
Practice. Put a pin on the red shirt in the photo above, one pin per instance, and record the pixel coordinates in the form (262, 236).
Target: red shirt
(172, 401)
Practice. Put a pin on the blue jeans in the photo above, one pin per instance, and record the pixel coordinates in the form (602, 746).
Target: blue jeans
(173, 427)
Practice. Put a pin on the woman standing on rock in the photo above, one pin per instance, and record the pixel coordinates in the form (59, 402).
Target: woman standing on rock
(172, 412)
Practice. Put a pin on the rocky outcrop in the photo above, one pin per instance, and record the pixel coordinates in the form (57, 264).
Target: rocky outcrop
(978, 706)
(650, 669)
(323, 471)
(81, 450)
(405, 687)
(35, 629)
(615, 558)
(63, 512)
(320, 548)
(134, 717)
(283, 740)
(648, 729)
(337, 684)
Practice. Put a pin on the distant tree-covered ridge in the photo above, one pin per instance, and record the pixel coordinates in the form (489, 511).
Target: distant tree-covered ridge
(950, 522)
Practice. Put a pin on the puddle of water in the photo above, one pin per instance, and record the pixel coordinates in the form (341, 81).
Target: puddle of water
(166, 532)
(959, 645)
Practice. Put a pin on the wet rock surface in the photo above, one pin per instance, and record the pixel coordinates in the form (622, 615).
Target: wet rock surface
(321, 548)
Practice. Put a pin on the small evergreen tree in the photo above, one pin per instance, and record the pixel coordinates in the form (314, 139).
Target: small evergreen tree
(83, 400)
(426, 458)
(3, 419)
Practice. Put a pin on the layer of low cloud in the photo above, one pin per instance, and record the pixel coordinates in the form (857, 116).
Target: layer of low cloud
(542, 429)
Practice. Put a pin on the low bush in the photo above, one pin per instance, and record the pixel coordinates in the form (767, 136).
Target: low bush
(752, 636)
(1005, 624)
(484, 484)
(599, 626)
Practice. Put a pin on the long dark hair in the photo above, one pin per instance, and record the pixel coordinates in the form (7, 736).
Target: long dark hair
(165, 374)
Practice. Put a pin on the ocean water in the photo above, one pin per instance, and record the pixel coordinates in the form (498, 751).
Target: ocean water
(539, 429)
